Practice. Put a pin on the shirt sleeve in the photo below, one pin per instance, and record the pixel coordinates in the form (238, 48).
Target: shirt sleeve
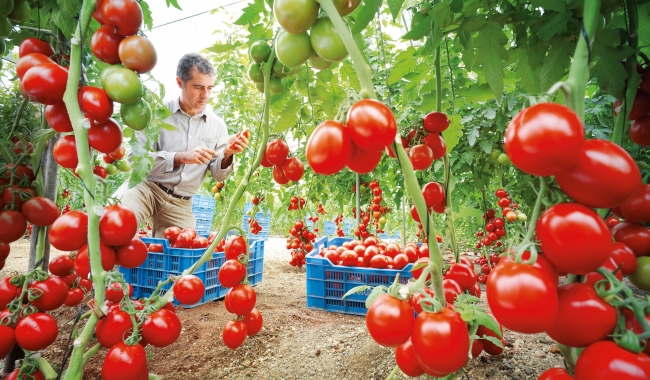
(216, 171)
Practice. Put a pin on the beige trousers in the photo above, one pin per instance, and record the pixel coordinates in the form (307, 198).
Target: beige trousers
(147, 200)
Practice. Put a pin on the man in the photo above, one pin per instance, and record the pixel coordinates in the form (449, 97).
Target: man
(182, 156)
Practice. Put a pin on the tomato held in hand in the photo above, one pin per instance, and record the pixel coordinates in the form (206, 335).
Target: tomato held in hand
(544, 139)
(389, 320)
(189, 289)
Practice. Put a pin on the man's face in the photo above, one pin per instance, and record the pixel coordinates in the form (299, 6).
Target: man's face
(196, 92)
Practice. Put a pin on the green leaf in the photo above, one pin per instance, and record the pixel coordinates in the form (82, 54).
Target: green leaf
(553, 25)
(644, 27)
(174, 4)
(357, 289)
(404, 64)
(529, 78)
(349, 75)
(423, 28)
(146, 15)
(491, 53)
(556, 62)
(486, 145)
(365, 15)
(473, 135)
(608, 71)
(456, 6)
(222, 48)
(162, 113)
(395, 7)
(453, 133)
(376, 292)
(65, 22)
(288, 117)
(251, 14)
(497, 342)
(168, 127)
(551, 5)
(469, 212)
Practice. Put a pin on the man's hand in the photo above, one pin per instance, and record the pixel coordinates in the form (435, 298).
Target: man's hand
(199, 155)
(237, 143)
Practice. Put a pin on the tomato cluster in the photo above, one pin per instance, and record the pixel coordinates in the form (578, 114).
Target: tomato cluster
(260, 52)
(321, 46)
(186, 238)
(495, 227)
(296, 203)
(216, 190)
(426, 144)
(374, 210)
(254, 225)
(372, 253)
(285, 169)
(300, 243)
(640, 113)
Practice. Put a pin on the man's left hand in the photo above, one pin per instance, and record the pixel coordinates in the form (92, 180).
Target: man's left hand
(236, 144)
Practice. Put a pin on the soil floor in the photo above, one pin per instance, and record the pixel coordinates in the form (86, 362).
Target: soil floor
(296, 342)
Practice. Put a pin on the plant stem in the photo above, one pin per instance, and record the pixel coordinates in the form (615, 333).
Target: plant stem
(91, 351)
(569, 354)
(84, 170)
(358, 199)
(46, 368)
(363, 70)
(19, 114)
(579, 72)
(393, 373)
(536, 210)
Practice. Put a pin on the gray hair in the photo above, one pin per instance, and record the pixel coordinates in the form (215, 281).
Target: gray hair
(190, 60)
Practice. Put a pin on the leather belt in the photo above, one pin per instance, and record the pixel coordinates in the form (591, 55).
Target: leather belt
(171, 192)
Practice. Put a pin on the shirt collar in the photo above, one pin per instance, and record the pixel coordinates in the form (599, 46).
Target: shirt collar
(176, 107)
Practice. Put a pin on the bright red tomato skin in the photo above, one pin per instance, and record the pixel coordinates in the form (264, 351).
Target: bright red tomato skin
(521, 297)
(278, 175)
(28, 61)
(407, 361)
(640, 131)
(38, 375)
(105, 43)
(45, 83)
(574, 238)
(293, 169)
(436, 122)
(55, 291)
(7, 339)
(117, 225)
(583, 318)
(65, 152)
(234, 334)
(82, 262)
(34, 45)
(421, 157)
(96, 105)
(125, 15)
(329, 148)
(637, 208)
(111, 329)
(555, 374)
(624, 256)
(231, 273)
(389, 320)
(441, 342)
(40, 211)
(57, 117)
(253, 322)
(371, 124)
(189, 289)
(542, 264)
(635, 236)
(544, 139)
(124, 361)
(363, 161)
(61, 265)
(36, 331)
(235, 246)
(276, 151)
(105, 137)
(241, 299)
(603, 176)
(69, 232)
(605, 360)
(161, 328)
(12, 226)
(433, 193)
(462, 274)
(437, 144)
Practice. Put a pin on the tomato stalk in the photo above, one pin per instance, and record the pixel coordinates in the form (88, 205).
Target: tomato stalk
(527, 242)
(19, 114)
(393, 373)
(89, 354)
(84, 170)
(358, 199)
(570, 355)
(363, 70)
(46, 368)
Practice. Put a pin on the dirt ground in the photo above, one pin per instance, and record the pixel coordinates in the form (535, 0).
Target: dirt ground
(295, 343)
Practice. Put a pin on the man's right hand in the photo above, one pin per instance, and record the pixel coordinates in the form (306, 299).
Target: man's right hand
(199, 155)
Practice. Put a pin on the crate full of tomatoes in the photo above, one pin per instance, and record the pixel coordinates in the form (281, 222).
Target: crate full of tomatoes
(337, 265)
(169, 256)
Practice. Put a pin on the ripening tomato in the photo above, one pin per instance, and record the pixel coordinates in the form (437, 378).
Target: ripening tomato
(189, 289)
(574, 238)
(325, 40)
(293, 49)
(544, 139)
(640, 130)
(521, 297)
(57, 117)
(123, 86)
(123, 361)
(389, 320)
(105, 43)
(28, 61)
(117, 225)
(329, 148)
(137, 53)
(296, 16)
(105, 137)
(634, 235)
(65, 152)
(605, 360)
(371, 124)
(136, 116)
(125, 15)
(45, 83)
(603, 176)
(234, 334)
(34, 45)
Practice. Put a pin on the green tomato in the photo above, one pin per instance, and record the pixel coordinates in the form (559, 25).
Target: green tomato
(296, 16)
(137, 115)
(641, 276)
(521, 217)
(345, 7)
(217, 197)
(495, 153)
(382, 220)
(21, 11)
(123, 86)
(326, 42)
(147, 97)
(110, 169)
(279, 70)
(292, 49)
(6, 6)
(255, 73)
(260, 51)
(277, 85)
(260, 87)
(106, 72)
(122, 165)
(5, 27)
(319, 63)
(503, 159)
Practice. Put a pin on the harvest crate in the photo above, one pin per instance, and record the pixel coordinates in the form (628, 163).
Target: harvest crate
(327, 283)
(203, 210)
(264, 219)
(173, 261)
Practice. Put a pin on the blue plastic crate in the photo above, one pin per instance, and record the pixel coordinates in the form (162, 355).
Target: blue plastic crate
(202, 201)
(327, 283)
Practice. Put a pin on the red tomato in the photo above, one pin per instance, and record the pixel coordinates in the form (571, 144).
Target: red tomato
(293, 169)
(112, 329)
(640, 130)
(583, 318)
(125, 15)
(521, 297)
(241, 299)
(574, 238)
(45, 83)
(100, 172)
(542, 264)
(171, 234)
(329, 148)
(421, 157)
(253, 322)
(189, 289)
(452, 289)
(199, 242)
(105, 137)
(363, 161)
(640, 106)
(610, 265)
(437, 144)
(161, 328)
(624, 256)
(96, 106)
(416, 300)
(436, 122)
(604, 175)
(38, 375)
(137, 53)
(7, 340)
(371, 124)
(462, 274)
(379, 261)
(61, 265)
(7, 292)
(125, 361)
(82, 261)
(277, 151)
(54, 292)
(65, 152)
(184, 240)
(389, 320)
(400, 261)
(12, 226)
(407, 361)
(234, 334)
(34, 45)
(433, 193)
(637, 208)
(235, 246)
(265, 161)
(488, 346)
(105, 44)
(555, 374)
(36, 332)
(441, 342)
(69, 232)
(605, 360)
(117, 225)
(278, 175)
(635, 236)
(544, 139)
(118, 153)
(74, 297)
(418, 272)
(114, 292)
(40, 211)
(28, 61)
